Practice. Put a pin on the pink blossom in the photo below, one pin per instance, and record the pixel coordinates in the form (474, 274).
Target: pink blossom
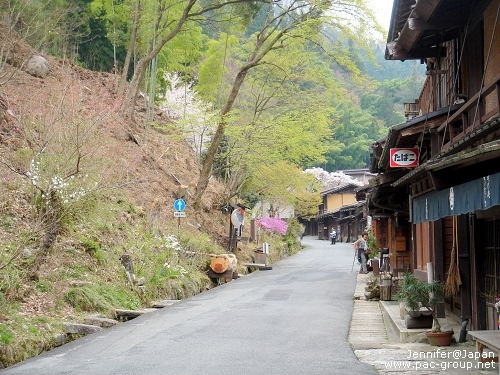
(273, 224)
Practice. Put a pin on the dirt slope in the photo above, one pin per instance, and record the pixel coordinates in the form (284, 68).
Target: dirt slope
(143, 163)
(149, 164)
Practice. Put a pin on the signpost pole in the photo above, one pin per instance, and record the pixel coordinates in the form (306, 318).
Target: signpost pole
(179, 207)
(236, 221)
(231, 231)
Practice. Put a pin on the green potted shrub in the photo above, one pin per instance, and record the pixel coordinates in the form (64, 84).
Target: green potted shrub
(372, 245)
(416, 294)
(374, 253)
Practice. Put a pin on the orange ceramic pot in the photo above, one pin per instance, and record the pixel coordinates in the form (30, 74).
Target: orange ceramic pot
(439, 338)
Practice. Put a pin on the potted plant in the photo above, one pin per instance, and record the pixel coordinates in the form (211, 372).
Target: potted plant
(373, 255)
(386, 278)
(372, 245)
(417, 294)
(372, 289)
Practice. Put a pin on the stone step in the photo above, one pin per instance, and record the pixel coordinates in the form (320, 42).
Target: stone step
(164, 303)
(81, 329)
(100, 321)
(124, 315)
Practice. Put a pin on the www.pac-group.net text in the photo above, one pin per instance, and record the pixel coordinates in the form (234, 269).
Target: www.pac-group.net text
(443, 360)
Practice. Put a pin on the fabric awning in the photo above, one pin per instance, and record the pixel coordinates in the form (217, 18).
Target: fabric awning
(479, 194)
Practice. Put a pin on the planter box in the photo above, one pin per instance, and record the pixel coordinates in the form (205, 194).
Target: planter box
(394, 290)
(376, 266)
(385, 293)
(439, 338)
(422, 321)
(418, 319)
(386, 282)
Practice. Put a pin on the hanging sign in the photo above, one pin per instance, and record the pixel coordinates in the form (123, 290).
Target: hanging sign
(404, 157)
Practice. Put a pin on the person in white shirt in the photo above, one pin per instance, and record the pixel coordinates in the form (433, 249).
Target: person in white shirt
(333, 236)
(361, 248)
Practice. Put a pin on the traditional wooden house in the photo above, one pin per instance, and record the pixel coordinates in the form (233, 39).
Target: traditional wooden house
(447, 199)
(340, 211)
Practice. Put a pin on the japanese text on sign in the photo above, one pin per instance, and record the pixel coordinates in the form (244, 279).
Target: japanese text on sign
(404, 157)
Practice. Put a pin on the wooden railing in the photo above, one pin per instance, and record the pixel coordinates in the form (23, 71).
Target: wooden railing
(411, 109)
(472, 113)
(426, 99)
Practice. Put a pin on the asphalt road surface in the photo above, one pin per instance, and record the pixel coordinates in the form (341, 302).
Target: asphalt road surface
(293, 319)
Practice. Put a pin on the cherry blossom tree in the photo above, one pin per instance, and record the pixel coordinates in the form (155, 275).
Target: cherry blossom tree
(194, 116)
(332, 179)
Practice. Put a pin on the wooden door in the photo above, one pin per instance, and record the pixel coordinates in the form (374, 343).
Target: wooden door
(488, 256)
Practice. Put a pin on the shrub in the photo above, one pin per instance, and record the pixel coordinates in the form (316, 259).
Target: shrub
(273, 224)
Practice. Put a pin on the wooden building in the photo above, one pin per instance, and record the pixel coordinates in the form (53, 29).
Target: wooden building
(340, 211)
(445, 211)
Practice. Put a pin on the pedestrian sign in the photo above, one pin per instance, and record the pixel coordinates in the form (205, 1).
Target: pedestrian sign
(180, 205)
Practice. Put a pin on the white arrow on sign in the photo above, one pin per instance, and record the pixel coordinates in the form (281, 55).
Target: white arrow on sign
(179, 205)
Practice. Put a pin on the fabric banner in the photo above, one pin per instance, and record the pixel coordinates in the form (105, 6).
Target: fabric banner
(479, 194)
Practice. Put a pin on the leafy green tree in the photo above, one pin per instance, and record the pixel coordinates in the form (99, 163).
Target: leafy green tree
(293, 20)
(167, 20)
(307, 198)
(282, 113)
(354, 131)
(212, 69)
(100, 54)
(282, 184)
(385, 70)
(109, 32)
(382, 107)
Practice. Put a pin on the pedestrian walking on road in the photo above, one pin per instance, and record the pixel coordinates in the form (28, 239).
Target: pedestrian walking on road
(362, 249)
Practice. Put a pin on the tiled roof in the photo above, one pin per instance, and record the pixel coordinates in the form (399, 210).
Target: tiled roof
(342, 186)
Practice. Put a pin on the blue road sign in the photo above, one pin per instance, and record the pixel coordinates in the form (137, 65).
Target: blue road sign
(180, 205)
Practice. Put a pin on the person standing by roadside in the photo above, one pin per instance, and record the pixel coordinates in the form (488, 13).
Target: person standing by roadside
(333, 236)
(361, 248)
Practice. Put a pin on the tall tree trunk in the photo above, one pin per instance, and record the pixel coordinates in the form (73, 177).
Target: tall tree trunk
(130, 50)
(130, 96)
(254, 60)
(206, 170)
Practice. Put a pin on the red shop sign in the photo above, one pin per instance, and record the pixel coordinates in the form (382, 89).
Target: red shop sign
(404, 157)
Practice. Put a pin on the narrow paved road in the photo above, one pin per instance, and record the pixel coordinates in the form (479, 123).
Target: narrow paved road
(293, 319)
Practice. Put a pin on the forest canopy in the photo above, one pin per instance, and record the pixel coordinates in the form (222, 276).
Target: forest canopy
(247, 82)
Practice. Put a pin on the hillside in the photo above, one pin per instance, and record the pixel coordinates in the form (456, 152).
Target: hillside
(131, 174)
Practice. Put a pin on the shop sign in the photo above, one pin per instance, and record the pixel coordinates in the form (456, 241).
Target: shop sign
(404, 157)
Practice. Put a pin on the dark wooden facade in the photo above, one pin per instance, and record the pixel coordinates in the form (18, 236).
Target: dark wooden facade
(341, 211)
(451, 197)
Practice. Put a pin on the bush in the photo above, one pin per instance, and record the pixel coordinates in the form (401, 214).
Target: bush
(273, 224)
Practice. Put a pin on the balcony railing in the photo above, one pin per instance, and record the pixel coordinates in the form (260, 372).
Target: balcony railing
(426, 100)
(480, 108)
(412, 109)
